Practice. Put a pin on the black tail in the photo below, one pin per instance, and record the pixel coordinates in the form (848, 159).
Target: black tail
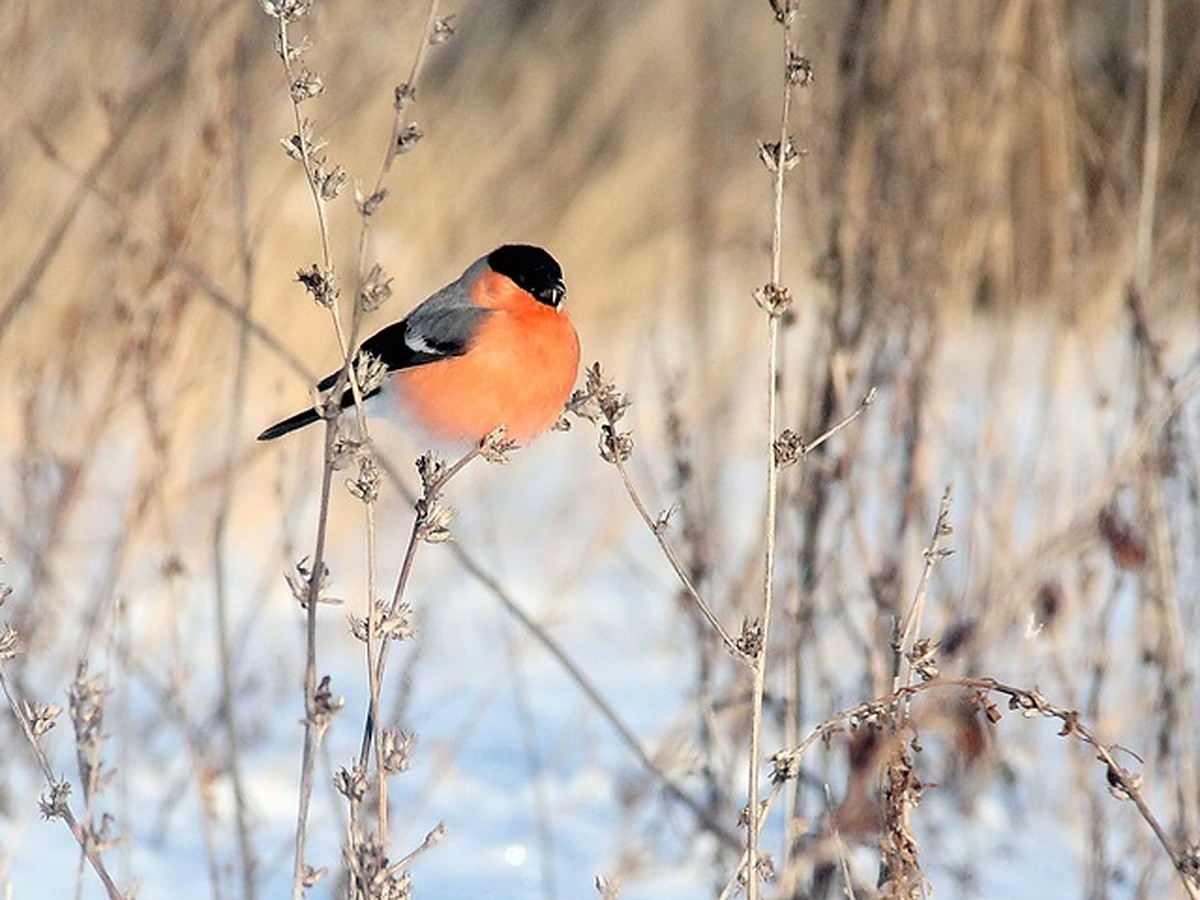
(291, 423)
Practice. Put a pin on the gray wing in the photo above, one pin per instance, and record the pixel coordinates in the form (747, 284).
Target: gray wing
(443, 325)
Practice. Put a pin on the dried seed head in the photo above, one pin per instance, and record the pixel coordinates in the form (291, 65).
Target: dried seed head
(785, 766)
(288, 10)
(300, 582)
(404, 96)
(396, 748)
(305, 85)
(329, 182)
(1121, 782)
(376, 288)
(365, 486)
(311, 876)
(10, 643)
(390, 624)
(789, 448)
(775, 299)
(433, 520)
(369, 371)
(772, 154)
(799, 70)
(321, 285)
(495, 447)
(408, 138)
(785, 11)
(367, 206)
(750, 641)
(40, 716)
(430, 469)
(54, 805)
(599, 400)
(297, 146)
(443, 30)
(324, 707)
(352, 783)
(923, 658)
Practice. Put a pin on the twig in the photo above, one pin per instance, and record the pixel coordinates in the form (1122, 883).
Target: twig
(1030, 703)
(658, 527)
(57, 807)
(605, 709)
(774, 299)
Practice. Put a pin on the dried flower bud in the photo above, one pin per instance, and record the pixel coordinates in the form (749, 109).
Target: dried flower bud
(54, 805)
(10, 643)
(321, 285)
(750, 641)
(324, 707)
(329, 182)
(40, 716)
(288, 10)
(396, 748)
(305, 85)
(351, 783)
(443, 30)
(495, 447)
(433, 520)
(405, 94)
(799, 70)
(775, 299)
(367, 206)
(770, 154)
(376, 287)
(365, 486)
(408, 138)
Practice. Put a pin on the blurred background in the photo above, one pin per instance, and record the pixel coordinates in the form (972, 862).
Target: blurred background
(993, 222)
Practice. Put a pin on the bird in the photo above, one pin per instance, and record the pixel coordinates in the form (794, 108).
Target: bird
(494, 347)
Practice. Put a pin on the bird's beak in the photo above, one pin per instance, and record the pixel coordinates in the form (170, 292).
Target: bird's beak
(554, 294)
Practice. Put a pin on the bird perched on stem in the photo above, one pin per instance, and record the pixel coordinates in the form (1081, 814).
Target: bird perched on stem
(494, 347)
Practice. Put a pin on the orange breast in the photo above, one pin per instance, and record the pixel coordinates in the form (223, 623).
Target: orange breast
(518, 372)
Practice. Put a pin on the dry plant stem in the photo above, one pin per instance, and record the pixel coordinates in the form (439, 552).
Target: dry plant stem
(1031, 704)
(910, 626)
(1151, 145)
(659, 531)
(311, 736)
(400, 122)
(754, 813)
(714, 825)
(238, 113)
(86, 844)
(410, 553)
(374, 665)
(1152, 490)
(585, 685)
(309, 755)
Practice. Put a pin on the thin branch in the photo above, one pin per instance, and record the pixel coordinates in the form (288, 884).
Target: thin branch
(57, 806)
(1030, 703)
(774, 300)
(658, 527)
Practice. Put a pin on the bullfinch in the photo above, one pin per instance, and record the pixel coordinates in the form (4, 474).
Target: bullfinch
(494, 347)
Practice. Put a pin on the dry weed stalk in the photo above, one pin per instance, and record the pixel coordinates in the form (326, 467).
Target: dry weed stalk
(369, 870)
(880, 713)
(775, 299)
(88, 699)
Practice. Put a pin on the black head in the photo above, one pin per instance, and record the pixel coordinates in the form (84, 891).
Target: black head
(531, 268)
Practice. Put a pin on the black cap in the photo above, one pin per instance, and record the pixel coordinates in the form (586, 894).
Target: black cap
(531, 268)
